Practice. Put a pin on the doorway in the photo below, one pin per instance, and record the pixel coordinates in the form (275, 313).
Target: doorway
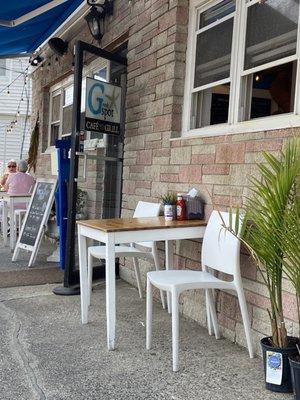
(112, 161)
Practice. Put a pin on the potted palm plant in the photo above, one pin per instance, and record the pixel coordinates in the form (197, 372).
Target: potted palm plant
(291, 266)
(266, 231)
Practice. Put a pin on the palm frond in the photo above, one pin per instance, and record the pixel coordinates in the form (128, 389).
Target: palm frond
(271, 227)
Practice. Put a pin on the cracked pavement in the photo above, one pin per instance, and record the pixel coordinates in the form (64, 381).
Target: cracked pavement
(46, 354)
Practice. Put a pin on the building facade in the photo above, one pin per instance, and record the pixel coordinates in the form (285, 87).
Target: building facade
(15, 105)
(210, 86)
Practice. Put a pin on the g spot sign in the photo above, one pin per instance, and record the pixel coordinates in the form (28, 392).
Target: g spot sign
(103, 107)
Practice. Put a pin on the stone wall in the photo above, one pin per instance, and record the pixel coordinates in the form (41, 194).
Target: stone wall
(217, 166)
(56, 69)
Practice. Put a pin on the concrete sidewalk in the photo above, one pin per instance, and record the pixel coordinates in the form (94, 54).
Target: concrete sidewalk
(19, 274)
(46, 354)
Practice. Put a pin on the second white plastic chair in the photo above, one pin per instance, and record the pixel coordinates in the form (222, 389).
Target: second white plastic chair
(146, 250)
(18, 219)
(220, 252)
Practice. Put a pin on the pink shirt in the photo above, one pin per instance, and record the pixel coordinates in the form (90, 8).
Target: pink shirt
(19, 183)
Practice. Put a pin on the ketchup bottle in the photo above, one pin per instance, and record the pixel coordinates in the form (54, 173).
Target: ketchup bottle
(180, 208)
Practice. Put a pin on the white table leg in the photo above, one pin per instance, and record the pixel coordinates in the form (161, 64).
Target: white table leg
(12, 224)
(82, 252)
(110, 276)
(169, 265)
(4, 217)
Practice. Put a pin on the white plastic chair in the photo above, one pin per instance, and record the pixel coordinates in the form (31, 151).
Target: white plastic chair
(146, 250)
(18, 219)
(220, 252)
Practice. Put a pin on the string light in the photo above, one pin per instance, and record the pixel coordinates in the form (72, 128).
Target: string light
(6, 87)
(14, 122)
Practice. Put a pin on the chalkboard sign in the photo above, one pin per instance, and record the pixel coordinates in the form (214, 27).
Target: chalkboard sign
(36, 217)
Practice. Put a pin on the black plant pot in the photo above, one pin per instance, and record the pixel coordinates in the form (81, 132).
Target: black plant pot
(295, 373)
(290, 351)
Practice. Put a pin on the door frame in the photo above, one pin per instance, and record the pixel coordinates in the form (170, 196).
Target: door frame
(70, 275)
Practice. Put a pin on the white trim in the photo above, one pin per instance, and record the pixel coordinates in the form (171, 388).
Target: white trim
(210, 85)
(235, 65)
(254, 125)
(32, 14)
(216, 23)
(189, 76)
(269, 65)
(252, 3)
(297, 89)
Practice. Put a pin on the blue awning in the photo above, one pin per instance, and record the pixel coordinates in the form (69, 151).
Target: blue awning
(26, 37)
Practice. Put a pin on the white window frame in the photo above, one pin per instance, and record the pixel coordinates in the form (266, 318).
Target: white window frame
(236, 74)
(4, 67)
(8, 72)
(88, 71)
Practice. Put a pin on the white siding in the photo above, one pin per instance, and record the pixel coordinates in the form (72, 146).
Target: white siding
(11, 143)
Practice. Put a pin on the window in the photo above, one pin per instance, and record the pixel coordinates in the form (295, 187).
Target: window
(67, 110)
(2, 67)
(242, 65)
(61, 102)
(55, 117)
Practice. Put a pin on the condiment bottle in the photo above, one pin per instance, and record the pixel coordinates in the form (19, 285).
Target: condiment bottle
(180, 208)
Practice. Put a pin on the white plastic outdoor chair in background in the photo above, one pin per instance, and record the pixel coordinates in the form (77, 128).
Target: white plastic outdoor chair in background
(220, 252)
(146, 250)
(18, 219)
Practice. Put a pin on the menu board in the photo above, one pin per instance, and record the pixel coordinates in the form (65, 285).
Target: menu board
(36, 213)
(36, 217)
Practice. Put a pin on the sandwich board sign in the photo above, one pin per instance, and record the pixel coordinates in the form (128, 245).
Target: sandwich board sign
(102, 107)
(35, 219)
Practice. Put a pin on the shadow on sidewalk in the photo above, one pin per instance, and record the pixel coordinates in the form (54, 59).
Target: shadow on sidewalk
(18, 274)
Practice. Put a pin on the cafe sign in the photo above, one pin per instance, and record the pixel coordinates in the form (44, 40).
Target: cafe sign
(103, 107)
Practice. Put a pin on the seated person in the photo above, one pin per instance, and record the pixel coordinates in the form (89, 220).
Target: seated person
(10, 169)
(20, 182)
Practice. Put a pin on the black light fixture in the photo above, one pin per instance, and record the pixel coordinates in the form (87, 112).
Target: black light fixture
(95, 18)
(36, 60)
(58, 45)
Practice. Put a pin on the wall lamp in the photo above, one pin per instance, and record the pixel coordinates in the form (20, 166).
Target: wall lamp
(36, 60)
(95, 18)
(58, 45)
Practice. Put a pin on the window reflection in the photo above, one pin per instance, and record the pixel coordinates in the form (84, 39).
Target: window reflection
(273, 91)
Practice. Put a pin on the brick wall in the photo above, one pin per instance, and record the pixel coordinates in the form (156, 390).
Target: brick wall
(43, 78)
(217, 166)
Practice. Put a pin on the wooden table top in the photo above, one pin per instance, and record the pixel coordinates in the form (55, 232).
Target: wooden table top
(134, 224)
